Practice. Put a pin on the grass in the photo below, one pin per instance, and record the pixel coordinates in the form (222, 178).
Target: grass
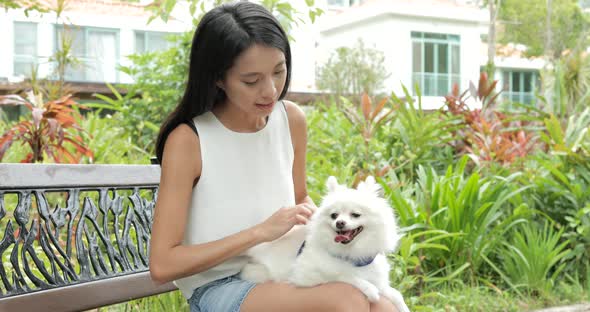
(168, 302)
(464, 298)
(457, 297)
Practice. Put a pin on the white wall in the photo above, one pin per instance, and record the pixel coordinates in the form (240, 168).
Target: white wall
(303, 52)
(7, 39)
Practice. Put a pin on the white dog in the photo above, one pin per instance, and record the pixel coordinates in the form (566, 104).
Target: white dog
(346, 241)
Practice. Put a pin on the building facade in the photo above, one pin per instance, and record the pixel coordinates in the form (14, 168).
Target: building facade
(430, 43)
(102, 34)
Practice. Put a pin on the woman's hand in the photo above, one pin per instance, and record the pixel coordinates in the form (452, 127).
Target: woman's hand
(283, 220)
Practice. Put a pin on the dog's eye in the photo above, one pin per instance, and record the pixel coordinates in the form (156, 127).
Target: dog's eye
(334, 216)
(355, 215)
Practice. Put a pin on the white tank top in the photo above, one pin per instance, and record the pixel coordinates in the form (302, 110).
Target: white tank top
(245, 178)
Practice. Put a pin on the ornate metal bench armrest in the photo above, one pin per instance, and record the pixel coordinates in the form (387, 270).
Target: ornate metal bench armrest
(75, 236)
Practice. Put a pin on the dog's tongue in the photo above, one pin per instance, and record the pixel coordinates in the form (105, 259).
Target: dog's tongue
(343, 237)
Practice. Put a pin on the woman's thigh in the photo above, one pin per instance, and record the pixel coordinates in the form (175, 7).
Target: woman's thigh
(332, 297)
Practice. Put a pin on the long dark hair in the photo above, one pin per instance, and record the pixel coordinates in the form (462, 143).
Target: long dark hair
(223, 33)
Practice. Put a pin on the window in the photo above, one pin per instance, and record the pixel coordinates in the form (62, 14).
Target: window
(96, 50)
(520, 86)
(25, 48)
(343, 3)
(435, 62)
(147, 41)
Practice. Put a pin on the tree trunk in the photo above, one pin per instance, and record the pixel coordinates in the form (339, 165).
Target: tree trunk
(490, 68)
(548, 34)
(549, 90)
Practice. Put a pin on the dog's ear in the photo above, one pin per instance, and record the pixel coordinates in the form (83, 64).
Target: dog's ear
(370, 180)
(332, 184)
(370, 185)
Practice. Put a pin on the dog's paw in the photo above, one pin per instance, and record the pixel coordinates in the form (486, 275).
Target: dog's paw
(396, 298)
(370, 291)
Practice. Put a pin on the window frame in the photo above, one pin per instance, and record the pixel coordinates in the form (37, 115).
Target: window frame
(510, 95)
(25, 58)
(452, 41)
(146, 34)
(343, 3)
(85, 58)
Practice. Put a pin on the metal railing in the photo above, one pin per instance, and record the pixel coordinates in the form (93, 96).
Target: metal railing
(75, 236)
(434, 84)
(527, 98)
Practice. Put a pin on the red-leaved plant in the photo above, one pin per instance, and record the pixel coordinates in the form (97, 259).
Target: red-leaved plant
(488, 135)
(52, 128)
(367, 119)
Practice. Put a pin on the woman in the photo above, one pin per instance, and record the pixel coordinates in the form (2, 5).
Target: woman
(233, 171)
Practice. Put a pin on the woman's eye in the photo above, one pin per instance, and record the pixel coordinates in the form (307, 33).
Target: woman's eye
(251, 83)
(279, 72)
(334, 216)
(355, 215)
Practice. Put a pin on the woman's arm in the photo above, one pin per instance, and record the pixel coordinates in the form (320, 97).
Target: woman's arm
(169, 259)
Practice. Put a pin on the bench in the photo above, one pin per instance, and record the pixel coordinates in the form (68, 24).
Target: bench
(75, 237)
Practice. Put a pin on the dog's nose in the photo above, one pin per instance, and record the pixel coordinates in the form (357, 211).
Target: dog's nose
(340, 224)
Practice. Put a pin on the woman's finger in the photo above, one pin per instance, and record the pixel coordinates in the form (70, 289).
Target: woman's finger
(299, 219)
(305, 210)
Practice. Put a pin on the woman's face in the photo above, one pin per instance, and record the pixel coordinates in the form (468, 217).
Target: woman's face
(255, 81)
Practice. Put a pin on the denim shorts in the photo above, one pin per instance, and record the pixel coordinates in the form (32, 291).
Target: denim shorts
(222, 295)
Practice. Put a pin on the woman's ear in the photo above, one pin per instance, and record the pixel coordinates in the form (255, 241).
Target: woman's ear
(220, 85)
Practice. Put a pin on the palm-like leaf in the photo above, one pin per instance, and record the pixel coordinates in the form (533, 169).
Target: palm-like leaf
(532, 255)
(47, 130)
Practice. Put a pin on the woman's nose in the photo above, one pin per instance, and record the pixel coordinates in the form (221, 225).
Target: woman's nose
(269, 89)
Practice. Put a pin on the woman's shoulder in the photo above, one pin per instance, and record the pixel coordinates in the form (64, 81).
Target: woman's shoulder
(297, 124)
(183, 134)
(295, 114)
(183, 147)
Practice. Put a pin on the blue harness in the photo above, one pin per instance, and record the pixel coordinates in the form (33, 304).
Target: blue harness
(358, 262)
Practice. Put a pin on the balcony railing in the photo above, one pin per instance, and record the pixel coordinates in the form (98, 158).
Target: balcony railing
(527, 98)
(86, 69)
(433, 84)
(90, 69)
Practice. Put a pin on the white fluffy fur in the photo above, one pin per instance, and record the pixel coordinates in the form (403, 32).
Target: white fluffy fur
(323, 259)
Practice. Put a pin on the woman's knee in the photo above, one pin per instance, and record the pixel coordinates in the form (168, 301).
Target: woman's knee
(348, 298)
(331, 297)
(383, 305)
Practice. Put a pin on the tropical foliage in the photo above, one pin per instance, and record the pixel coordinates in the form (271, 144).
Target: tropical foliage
(353, 71)
(494, 205)
(51, 128)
